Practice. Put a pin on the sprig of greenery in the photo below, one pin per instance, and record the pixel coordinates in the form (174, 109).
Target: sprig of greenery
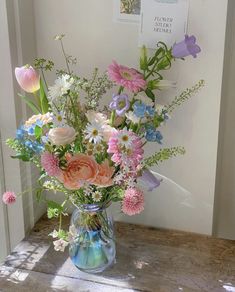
(163, 154)
(151, 66)
(95, 88)
(184, 96)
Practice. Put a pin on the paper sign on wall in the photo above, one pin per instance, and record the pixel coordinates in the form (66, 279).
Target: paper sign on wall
(164, 20)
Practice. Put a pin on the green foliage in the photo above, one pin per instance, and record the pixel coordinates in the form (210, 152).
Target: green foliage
(161, 60)
(38, 132)
(43, 99)
(184, 96)
(143, 59)
(53, 209)
(43, 64)
(116, 194)
(163, 154)
(22, 152)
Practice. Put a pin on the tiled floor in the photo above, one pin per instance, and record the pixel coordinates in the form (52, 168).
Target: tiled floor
(147, 260)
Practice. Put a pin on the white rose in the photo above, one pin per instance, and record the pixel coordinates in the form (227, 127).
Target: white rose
(62, 136)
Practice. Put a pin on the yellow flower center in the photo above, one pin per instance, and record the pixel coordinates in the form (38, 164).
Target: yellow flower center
(121, 104)
(126, 75)
(59, 118)
(94, 132)
(125, 138)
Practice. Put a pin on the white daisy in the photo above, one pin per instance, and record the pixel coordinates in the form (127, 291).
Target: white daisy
(58, 119)
(125, 139)
(94, 132)
(96, 196)
(132, 117)
(61, 87)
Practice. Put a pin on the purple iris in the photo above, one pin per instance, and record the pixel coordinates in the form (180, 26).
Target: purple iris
(120, 103)
(185, 48)
(149, 180)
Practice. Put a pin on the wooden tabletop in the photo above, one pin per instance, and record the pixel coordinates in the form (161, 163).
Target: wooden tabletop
(148, 259)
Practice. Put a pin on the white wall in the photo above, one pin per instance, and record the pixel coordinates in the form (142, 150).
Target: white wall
(224, 213)
(185, 199)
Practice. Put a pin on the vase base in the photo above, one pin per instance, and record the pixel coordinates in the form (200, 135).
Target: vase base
(96, 270)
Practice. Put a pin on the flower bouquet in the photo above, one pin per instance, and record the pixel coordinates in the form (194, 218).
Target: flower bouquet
(94, 154)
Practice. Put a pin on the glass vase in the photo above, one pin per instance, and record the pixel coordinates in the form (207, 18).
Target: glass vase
(92, 248)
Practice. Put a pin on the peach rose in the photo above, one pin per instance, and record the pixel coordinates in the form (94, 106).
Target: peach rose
(80, 168)
(62, 136)
(104, 176)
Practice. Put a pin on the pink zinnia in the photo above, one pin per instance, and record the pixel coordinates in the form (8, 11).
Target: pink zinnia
(9, 198)
(133, 202)
(126, 77)
(50, 163)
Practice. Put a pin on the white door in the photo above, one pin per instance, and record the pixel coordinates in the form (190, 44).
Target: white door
(4, 238)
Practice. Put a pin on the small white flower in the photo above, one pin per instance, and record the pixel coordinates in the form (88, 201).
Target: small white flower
(96, 196)
(61, 87)
(125, 139)
(132, 117)
(165, 84)
(58, 119)
(94, 132)
(60, 245)
(54, 234)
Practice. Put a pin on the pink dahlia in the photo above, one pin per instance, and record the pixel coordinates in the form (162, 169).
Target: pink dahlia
(126, 77)
(126, 148)
(9, 198)
(50, 163)
(133, 202)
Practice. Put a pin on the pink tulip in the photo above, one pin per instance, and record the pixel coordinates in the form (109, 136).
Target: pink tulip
(28, 78)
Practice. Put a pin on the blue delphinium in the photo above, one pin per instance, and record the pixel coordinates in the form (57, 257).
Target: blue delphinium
(20, 133)
(150, 111)
(34, 146)
(139, 109)
(152, 135)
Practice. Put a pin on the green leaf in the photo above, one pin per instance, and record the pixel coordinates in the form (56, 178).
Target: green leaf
(30, 104)
(43, 99)
(143, 59)
(151, 61)
(53, 209)
(38, 132)
(150, 94)
(54, 205)
(21, 156)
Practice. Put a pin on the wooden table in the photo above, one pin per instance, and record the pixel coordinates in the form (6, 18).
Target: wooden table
(148, 259)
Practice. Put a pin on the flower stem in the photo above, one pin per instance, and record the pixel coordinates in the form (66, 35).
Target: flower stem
(66, 59)
(112, 118)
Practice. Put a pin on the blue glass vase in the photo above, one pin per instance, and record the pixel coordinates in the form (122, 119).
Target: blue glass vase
(92, 249)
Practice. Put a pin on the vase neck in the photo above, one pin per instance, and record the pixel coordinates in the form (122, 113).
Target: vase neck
(94, 208)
